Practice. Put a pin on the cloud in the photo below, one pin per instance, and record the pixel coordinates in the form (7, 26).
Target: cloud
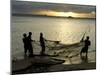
(28, 7)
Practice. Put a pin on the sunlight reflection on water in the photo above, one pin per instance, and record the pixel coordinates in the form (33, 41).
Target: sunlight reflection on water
(66, 30)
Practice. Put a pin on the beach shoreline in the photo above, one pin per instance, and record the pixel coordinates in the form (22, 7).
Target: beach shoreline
(46, 64)
(58, 68)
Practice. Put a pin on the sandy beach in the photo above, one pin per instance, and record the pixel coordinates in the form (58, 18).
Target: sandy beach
(72, 67)
(41, 64)
(57, 68)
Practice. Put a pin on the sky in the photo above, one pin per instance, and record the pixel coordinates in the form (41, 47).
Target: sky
(52, 9)
(87, 2)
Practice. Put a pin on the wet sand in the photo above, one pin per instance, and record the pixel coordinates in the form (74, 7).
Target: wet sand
(82, 66)
(37, 60)
(57, 68)
(70, 64)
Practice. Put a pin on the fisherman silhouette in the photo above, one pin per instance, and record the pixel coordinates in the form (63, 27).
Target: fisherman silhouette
(42, 43)
(30, 47)
(25, 41)
(87, 43)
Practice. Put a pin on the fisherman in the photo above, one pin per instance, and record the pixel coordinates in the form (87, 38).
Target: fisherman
(30, 47)
(25, 41)
(42, 43)
(87, 43)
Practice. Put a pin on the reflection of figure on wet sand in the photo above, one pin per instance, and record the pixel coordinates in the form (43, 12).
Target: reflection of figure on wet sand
(84, 59)
(25, 41)
(30, 44)
(42, 43)
(87, 43)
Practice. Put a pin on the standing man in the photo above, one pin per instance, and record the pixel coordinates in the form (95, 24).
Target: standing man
(42, 43)
(30, 44)
(25, 41)
(86, 46)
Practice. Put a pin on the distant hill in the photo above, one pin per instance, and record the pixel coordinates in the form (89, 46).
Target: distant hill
(32, 15)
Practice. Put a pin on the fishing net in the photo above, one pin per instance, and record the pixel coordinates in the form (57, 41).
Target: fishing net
(55, 48)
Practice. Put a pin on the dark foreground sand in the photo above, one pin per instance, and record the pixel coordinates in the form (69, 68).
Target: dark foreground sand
(82, 66)
(46, 64)
(41, 64)
(56, 68)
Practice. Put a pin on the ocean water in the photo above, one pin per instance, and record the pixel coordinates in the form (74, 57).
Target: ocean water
(66, 30)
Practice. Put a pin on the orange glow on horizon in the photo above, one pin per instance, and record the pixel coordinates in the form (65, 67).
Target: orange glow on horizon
(55, 13)
(64, 14)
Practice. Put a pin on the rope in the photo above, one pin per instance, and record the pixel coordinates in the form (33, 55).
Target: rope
(36, 42)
